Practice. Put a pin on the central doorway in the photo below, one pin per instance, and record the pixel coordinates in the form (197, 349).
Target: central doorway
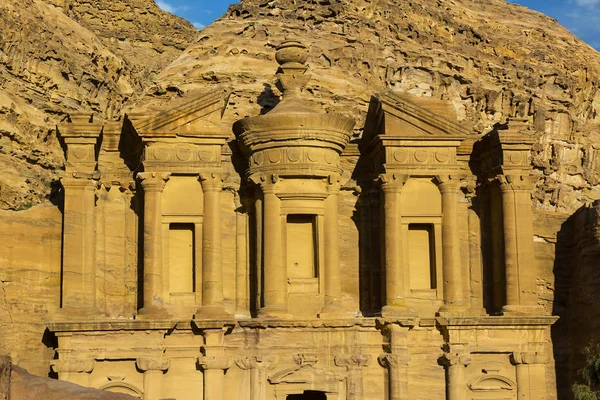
(308, 395)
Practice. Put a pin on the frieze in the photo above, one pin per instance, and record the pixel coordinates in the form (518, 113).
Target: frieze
(182, 153)
(420, 156)
(295, 155)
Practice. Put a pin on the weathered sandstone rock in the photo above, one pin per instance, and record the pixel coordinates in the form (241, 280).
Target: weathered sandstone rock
(51, 64)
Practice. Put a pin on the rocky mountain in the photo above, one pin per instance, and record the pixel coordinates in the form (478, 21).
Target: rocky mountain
(493, 59)
(58, 56)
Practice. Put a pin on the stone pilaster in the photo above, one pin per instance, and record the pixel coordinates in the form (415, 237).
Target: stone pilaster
(75, 371)
(397, 366)
(153, 368)
(213, 368)
(332, 278)
(242, 285)
(79, 245)
(153, 184)
(275, 292)
(212, 267)
(354, 364)
(455, 364)
(452, 270)
(531, 375)
(396, 286)
(519, 258)
(259, 366)
(474, 279)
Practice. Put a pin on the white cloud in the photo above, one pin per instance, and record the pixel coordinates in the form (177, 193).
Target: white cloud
(198, 25)
(587, 3)
(170, 8)
(166, 6)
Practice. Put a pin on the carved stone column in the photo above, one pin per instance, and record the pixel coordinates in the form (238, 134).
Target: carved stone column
(259, 366)
(531, 375)
(396, 289)
(455, 381)
(397, 366)
(153, 184)
(475, 278)
(332, 278)
(275, 273)
(153, 368)
(74, 371)
(354, 364)
(214, 368)
(212, 268)
(452, 269)
(79, 246)
(521, 290)
(242, 286)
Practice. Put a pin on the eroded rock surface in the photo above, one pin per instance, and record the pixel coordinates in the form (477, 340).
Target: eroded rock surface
(493, 59)
(57, 57)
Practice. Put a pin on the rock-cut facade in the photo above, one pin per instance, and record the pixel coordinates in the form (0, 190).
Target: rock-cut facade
(283, 257)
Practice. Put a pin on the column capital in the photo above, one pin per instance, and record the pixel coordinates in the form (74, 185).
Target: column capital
(153, 363)
(78, 181)
(78, 366)
(392, 183)
(516, 182)
(256, 362)
(334, 183)
(212, 181)
(352, 360)
(530, 357)
(266, 182)
(449, 183)
(389, 360)
(454, 359)
(214, 362)
(153, 181)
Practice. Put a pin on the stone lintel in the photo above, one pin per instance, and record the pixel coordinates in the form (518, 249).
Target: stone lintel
(110, 325)
(485, 322)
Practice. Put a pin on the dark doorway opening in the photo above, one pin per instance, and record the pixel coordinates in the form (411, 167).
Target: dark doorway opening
(308, 395)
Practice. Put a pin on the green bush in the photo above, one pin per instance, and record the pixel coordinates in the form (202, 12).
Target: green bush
(590, 389)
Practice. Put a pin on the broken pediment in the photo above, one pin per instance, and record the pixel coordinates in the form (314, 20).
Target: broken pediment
(200, 117)
(307, 374)
(401, 116)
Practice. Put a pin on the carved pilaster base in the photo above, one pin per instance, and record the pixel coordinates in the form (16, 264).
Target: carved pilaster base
(153, 312)
(78, 314)
(335, 312)
(398, 311)
(456, 309)
(212, 312)
(523, 310)
(274, 313)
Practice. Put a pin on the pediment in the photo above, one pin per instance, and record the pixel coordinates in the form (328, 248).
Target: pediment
(401, 116)
(200, 117)
(492, 383)
(306, 374)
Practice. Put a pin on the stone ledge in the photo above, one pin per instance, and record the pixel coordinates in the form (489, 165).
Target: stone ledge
(309, 323)
(500, 321)
(110, 325)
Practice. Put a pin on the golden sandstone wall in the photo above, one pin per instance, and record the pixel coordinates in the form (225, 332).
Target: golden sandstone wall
(521, 66)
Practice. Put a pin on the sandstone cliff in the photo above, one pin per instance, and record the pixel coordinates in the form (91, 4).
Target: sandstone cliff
(493, 59)
(59, 56)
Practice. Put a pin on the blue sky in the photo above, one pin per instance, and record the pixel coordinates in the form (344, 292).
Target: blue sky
(582, 17)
